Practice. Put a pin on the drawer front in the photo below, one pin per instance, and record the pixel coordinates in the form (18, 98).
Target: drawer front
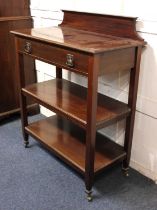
(68, 59)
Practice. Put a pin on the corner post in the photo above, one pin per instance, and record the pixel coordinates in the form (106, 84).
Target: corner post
(134, 78)
(93, 69)
(21, 84)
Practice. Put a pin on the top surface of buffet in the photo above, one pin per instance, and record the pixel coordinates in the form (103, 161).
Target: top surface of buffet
(88, 32)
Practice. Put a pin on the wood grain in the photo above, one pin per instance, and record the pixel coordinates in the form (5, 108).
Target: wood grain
(9, 90)
(70, 100)
(81, 40)
(55, 55)
(99, 44)
(14, 8)
(67, 141)
(121, 26)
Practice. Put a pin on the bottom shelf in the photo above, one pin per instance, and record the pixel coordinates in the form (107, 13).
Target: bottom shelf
(67, 141)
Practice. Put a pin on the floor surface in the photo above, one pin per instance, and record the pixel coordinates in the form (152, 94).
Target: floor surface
(33, 179)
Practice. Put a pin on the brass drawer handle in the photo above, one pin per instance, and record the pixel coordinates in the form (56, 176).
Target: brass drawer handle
(70, 60)
(28, 47)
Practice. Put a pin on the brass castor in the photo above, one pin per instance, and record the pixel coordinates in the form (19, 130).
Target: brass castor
(89, 195)
(26, 144)
(26, 140)
(125, 171)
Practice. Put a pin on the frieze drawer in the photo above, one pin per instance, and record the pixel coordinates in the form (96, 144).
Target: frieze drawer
(68, 59)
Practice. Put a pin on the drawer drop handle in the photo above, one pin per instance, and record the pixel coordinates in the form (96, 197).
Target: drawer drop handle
(70, 60)
(28, 47)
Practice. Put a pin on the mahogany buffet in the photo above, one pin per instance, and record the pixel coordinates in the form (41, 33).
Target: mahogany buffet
(91, 47)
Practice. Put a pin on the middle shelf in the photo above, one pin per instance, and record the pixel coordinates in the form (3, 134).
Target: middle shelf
(70, 100)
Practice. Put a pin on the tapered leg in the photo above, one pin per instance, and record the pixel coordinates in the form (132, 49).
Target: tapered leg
(24, 120)
(134, 77)
(90, 153)
(91, 123)
(23, 102)
(21, 84)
